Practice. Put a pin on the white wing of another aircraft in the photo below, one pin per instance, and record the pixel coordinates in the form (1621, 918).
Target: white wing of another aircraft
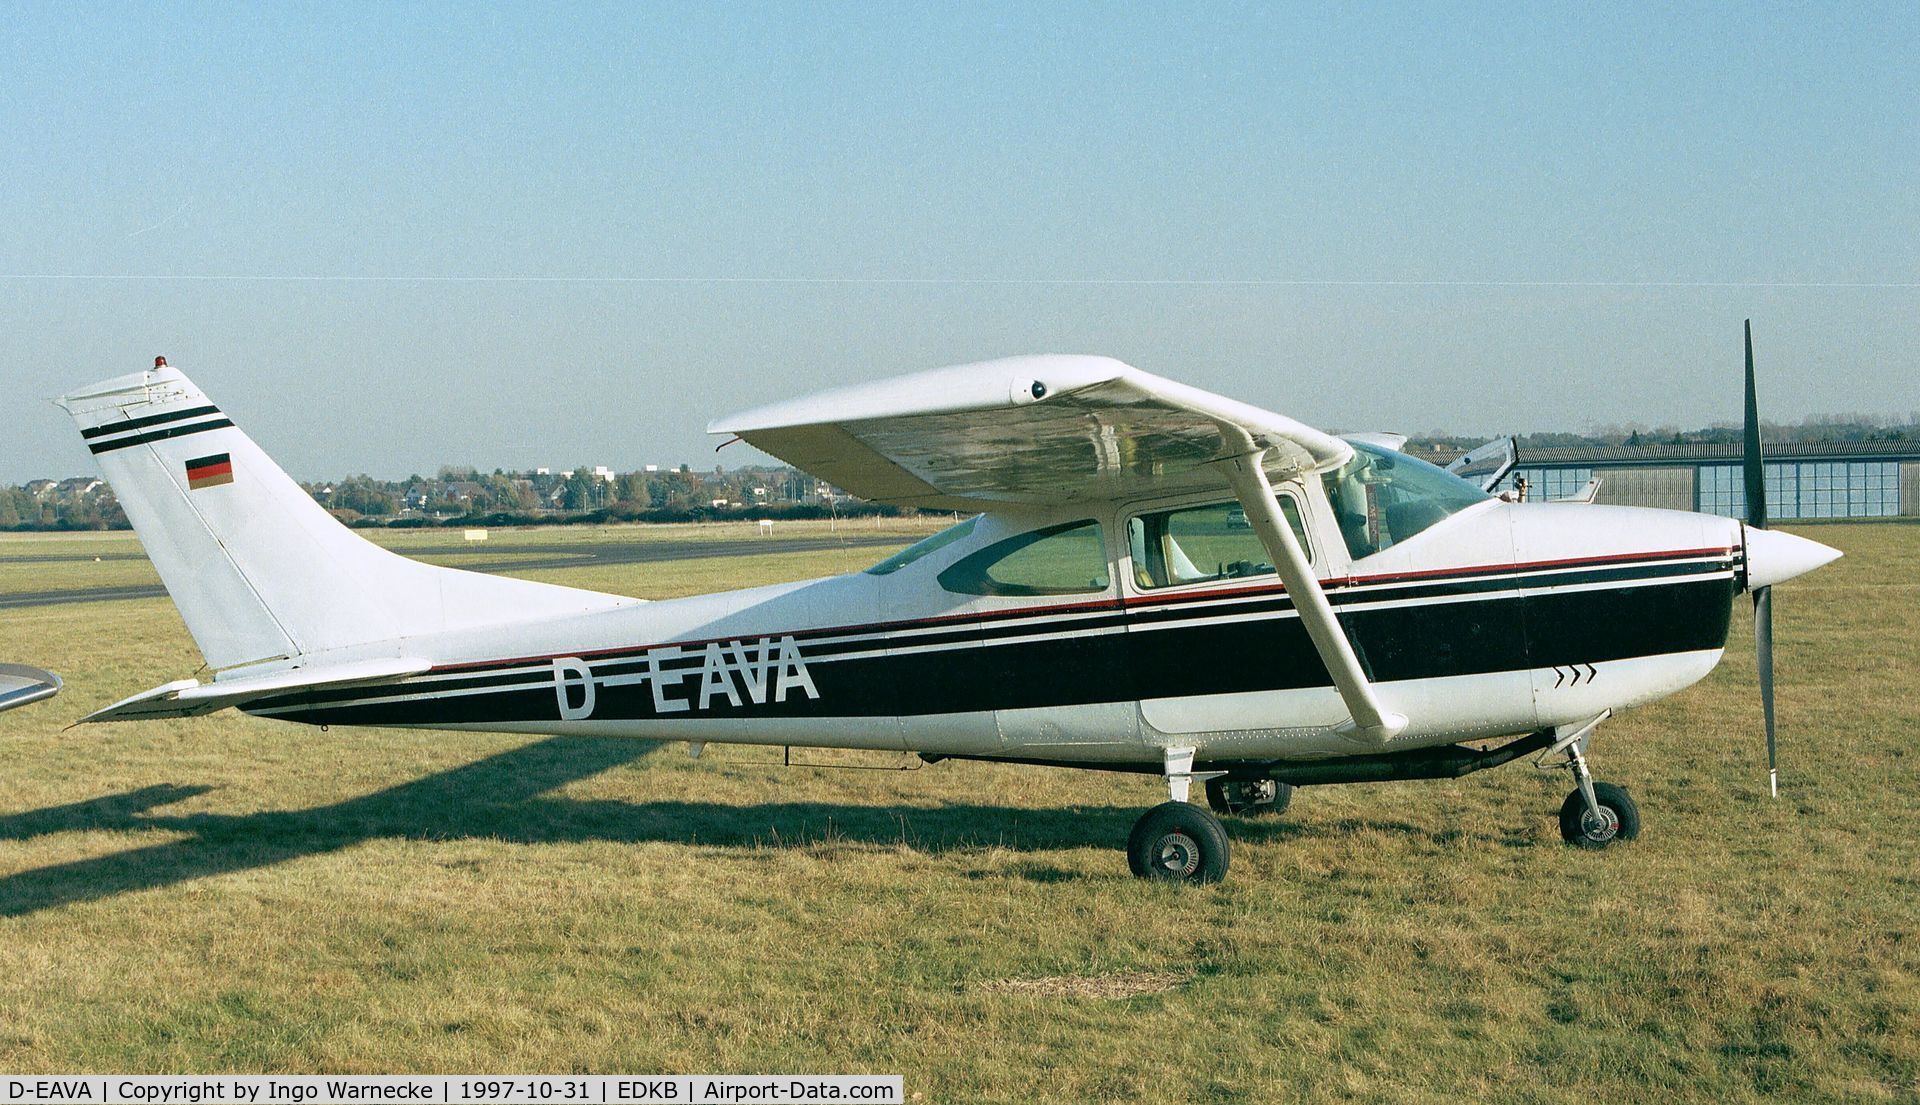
(1487, 464)
(1383, 438)
(1044, 429)
(1585, 495)
(21, 685)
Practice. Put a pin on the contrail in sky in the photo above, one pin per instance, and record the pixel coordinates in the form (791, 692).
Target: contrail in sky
(981, 281)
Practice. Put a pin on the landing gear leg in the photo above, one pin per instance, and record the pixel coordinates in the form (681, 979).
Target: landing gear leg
(1248, 797)
(1596, 814)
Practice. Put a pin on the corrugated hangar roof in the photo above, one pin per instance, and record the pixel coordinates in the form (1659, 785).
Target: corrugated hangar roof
(1632, 455)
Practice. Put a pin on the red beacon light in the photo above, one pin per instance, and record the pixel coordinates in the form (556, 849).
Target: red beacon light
(159, 362)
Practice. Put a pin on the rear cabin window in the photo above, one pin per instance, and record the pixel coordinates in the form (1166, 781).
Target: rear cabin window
(1067, 559)
(1203, 544)
(922, 547)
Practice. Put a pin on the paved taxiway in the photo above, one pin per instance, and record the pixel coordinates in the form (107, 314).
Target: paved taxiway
(526, 558)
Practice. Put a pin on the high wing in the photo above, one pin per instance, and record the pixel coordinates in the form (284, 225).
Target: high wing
(1025, 430)
(1054, 429)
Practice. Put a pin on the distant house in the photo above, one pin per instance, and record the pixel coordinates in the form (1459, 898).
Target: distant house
(41, 489)
(78, 487)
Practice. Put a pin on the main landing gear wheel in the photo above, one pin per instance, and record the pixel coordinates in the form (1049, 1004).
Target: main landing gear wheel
(1250, 797)
(1178, 842)
(1619, 818)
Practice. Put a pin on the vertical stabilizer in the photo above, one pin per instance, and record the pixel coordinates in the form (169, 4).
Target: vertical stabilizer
(258, 570)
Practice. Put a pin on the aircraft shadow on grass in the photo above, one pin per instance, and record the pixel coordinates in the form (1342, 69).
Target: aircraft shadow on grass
(503, 797)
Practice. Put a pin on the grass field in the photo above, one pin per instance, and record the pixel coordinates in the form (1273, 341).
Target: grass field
(226, 893)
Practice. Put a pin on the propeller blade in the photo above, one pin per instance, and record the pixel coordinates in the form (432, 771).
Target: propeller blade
(1756, 474)
(1756, 469)
(1763, 647)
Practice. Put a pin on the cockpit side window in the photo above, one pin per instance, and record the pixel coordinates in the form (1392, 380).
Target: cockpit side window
(1067, 559)
(1381, 498)
(1202, 544)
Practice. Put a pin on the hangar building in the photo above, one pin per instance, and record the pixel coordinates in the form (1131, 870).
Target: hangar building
(1834, 479)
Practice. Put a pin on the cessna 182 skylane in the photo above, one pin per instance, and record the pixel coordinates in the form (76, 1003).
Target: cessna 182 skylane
(1154, 579)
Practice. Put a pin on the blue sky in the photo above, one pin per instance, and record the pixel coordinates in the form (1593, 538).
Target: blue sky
(1464, 217)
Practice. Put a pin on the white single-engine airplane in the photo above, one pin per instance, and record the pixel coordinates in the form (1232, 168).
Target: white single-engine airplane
(1157, 579)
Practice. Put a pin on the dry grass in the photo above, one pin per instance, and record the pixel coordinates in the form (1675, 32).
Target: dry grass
(1110, 987)
(229, 893)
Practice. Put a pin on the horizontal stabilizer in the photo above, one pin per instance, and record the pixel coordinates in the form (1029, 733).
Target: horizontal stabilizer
(191, 698)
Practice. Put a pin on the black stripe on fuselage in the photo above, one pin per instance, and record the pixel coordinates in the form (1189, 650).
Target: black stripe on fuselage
(159, 435)
(979, 624)
(995, 626)
(830, 644)
(1231, 651)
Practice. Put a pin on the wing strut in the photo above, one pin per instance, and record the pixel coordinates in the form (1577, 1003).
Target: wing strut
(1369, 719)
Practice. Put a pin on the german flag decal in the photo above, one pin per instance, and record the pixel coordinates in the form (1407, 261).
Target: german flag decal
(209, 471)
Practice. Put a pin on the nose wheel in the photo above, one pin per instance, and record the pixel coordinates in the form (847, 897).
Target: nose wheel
(1596, 815)
(1611, 817)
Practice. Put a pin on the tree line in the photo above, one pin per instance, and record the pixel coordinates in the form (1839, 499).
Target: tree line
(466, 496)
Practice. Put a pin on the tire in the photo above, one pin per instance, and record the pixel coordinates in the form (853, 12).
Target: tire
(1240, 797)
(1178, 842)
(1576, 827)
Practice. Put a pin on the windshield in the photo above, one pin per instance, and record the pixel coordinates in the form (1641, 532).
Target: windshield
(922, 547)
(1381, 497)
